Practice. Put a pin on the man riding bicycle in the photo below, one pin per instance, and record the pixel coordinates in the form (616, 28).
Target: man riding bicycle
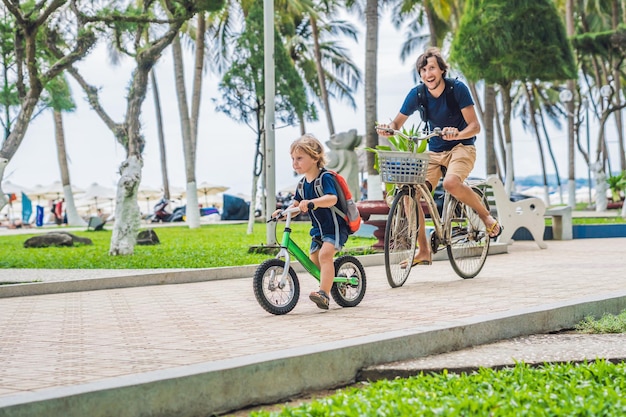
(454, 150)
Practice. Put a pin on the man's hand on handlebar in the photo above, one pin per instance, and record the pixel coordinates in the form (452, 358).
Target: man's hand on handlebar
(384, 130)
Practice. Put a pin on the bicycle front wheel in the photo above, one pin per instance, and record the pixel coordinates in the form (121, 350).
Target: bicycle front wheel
(400, 238)
(273, 295)
(468, 240)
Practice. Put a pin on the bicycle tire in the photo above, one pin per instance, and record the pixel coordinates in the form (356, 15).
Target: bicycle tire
(400, 237)
(273, 299)
(468, 244)
(345, 294)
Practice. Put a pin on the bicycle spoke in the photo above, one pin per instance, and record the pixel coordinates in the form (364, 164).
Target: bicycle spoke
(400, 238)
(469, 244)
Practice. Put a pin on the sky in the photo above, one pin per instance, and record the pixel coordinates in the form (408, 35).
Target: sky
(226, 149)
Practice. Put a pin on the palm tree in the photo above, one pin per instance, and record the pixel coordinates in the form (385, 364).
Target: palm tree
(161, 135)
(58, 97)
(189, 123)
(325, 66)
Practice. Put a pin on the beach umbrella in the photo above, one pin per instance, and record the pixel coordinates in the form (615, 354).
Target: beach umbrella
(13, 193)
(9, 188)
(149, 193)
(41, 192)
(56, 188)
(206, 189)
(98, 192)
(177, 193)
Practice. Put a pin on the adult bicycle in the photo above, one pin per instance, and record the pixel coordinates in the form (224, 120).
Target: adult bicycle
(458, 228)
(276, 285)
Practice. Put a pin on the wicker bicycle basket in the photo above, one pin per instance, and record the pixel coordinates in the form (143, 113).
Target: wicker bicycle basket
(402, 167)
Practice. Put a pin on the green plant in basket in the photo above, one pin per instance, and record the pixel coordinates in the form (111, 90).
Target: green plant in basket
(400, 144)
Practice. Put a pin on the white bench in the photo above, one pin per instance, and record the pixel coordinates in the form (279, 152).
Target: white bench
(562, 228)
(512, 215)
(528, 213)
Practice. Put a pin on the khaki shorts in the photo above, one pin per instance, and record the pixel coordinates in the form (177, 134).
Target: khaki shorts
(458, 161)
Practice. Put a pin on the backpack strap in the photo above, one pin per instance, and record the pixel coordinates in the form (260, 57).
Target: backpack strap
(319, 190)
(451, 101)
(317, 185)
(300, 188)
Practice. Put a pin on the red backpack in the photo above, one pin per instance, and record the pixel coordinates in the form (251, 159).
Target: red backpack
(346, 207)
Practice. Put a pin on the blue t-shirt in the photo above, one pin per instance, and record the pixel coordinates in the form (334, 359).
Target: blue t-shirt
(323, 220)
(440, 116)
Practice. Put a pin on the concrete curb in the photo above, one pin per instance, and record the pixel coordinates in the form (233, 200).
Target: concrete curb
(222, 386)
(149, 278)
(125, 280)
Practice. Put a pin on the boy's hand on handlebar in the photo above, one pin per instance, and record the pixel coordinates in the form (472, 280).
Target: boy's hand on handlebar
(306, 205)
(276, 215)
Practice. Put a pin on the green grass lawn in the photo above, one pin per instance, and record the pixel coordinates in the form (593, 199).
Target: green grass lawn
(586, 389)
(209, 246)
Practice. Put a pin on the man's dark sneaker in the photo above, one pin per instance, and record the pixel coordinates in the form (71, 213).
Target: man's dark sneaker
(320, 298)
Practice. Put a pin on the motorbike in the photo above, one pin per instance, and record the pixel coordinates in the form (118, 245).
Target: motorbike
(161, 213)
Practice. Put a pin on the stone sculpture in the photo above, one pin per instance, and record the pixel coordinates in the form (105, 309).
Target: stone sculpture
(343, 159)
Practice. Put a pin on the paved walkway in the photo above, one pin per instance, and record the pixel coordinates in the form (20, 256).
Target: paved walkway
(57, 345)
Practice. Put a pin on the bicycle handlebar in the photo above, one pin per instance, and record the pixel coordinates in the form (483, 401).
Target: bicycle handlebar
(283, 213)
(416, 139)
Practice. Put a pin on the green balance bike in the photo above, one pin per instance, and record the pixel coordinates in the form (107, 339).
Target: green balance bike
(276, 285)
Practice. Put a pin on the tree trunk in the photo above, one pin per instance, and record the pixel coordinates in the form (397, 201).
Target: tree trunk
(506, 122)
(571, 86)
(73, 218)
(192, 211)
(127, 213)
(321, 78)
(542, 159)
(159, 120)
(432, 30)
(371, 71)
(551, 153)
(618, 91)
(488, 120)
(257, 170)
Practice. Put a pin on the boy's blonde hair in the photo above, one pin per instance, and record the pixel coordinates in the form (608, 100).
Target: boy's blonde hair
(309, 144)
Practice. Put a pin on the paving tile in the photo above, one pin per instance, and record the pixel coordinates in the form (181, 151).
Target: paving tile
(72, 338)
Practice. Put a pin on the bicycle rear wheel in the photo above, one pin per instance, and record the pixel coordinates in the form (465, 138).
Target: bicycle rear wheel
(469, 241)
(400, 237)
(345, 294)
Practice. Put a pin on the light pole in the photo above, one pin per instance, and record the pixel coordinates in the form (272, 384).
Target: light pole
(270, 103)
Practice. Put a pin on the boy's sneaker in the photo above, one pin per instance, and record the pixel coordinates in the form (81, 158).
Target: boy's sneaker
(320, 298)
